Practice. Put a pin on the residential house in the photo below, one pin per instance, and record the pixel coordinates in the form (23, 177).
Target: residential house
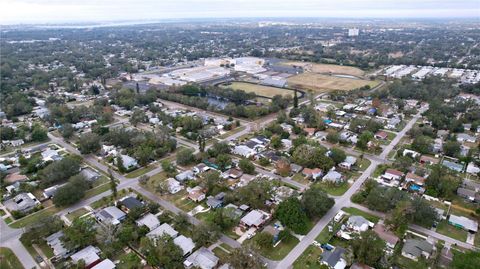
(54, 241)
(467, 224)
(392, 123)
(358, 224)
(173, 186)
(196, 194)
(392, 174)
(310, 131)
(453, 165)
(185, 243)
(295, 168)
(282, 193)
(22, 202)
(203, 258)
(50, 192)
(215, 201)
(348, 163)
(244, 151)
(390, 238)
(412, 153)
(321, 135)
(129, 203)
(463, 137)
(111, 215)
(333, 177)
(164, 229)
(185, 176)
(381, 135)
(50, 155)
(428, 160)
(415, 248)
(312, 174)
(416, 182)
(255, 218)
(89, 255)
(149, 220)
(15, 177)
(200, 168)
(105, 264)
(232, 173)
(333, 258)
(128, 162)
(89, 174)
(472, 168)
(468, 194)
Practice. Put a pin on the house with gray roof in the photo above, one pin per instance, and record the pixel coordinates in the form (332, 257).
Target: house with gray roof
(358, 223)
(254, 218)
(149, 220)
(203, 258)
(89, 174)
(164, 229)
(333, 176)
(22, 202)
(89, 255)
(415, 248)
(333, 258)
(185, 243)
(110, 215)
(185, 175)
(55, 242)
(467, 224)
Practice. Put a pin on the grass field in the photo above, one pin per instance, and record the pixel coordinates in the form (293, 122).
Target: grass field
(449, 230)
(323, 83)
(8, 260)
(261, 90)
(329, 68)
(309, 259)
(34, 217)
(141, 171)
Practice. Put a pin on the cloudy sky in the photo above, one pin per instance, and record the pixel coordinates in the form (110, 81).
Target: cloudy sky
(54, 11)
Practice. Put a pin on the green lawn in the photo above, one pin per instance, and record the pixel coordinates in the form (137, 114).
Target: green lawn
(229, 133)
(221, 254)
(34, 217)
(358, 212)
(281, 250)
(334, 189)
(127, 261)
(300, 179)
(2, 213)
(309, 259)
(102, 202)
(77, 213)
(406, 263)
(363, 164)
(97, 190)
(451, 231)
(141, 171)
(46, 249)
(8, 260)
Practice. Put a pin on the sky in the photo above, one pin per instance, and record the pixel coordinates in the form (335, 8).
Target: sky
(60, 11)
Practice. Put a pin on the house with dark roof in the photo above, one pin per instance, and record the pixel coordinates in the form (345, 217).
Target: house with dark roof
(333, 258)
(415, 248)
(129, 203)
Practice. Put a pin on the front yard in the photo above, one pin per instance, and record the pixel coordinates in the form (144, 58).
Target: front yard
(309, 259)
(34, 217)
(281, 250)
(335, 190)
(451, 231)
(8, 260)
(358, 212)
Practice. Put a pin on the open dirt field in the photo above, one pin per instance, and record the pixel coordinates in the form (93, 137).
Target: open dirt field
(328, 68)
(261, 90)
(322, 83)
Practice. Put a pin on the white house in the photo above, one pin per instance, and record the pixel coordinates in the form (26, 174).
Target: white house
(173, 186)
(244, 151)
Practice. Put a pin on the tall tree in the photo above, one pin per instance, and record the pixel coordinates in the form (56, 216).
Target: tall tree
(368, 248)
(113, 184)
(291, 214)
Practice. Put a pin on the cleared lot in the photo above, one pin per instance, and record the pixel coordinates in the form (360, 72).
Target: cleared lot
(328, 68)
(322, 83)
(261, 90)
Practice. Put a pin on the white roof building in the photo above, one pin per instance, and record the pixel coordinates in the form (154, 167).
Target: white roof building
(149, 220)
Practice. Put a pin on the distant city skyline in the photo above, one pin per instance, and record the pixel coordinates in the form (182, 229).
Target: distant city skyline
(60, 11)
